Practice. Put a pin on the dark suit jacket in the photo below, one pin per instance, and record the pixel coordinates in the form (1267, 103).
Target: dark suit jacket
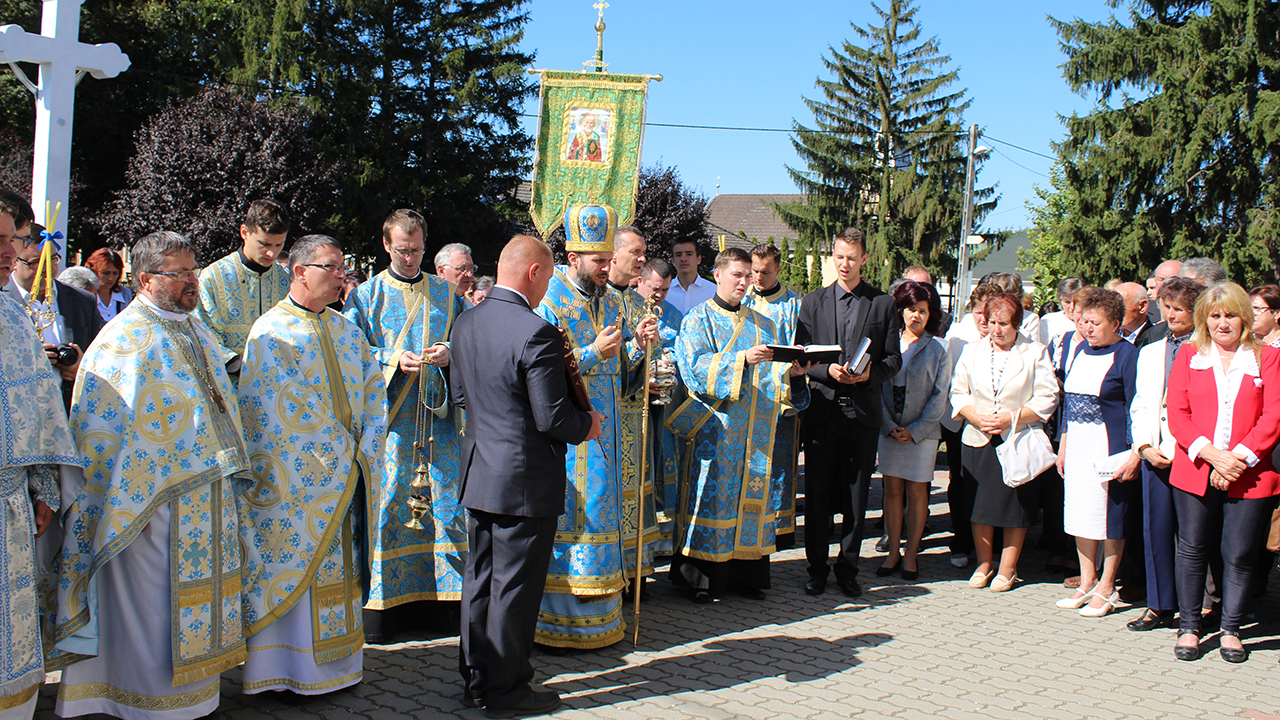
(875, 317)
(508, 372)
(79, 311)
(1152, 334)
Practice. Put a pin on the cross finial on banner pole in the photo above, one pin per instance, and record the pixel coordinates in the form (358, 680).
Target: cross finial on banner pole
(598, 64)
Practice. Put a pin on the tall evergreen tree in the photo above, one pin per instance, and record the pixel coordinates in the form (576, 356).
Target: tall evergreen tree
(420, 99)
(885, 153)
(1185, 163)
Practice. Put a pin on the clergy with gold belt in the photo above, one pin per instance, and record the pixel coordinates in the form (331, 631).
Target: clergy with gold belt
(314, 405)
(420, 540)
(582, 602)
(149, 580)
(771, 298)
(728, 504)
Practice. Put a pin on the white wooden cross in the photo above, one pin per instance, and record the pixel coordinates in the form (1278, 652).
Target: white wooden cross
(63, 61)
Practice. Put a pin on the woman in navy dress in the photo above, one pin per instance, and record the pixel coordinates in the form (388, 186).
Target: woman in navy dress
(1095, 455)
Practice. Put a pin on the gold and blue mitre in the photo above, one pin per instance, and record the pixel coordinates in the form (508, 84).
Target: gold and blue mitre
(589, 228)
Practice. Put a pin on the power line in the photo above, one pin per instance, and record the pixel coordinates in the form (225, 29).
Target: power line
(1019, 147)
(1024, 167)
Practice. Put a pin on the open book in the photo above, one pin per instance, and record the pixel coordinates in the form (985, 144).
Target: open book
(807, 354)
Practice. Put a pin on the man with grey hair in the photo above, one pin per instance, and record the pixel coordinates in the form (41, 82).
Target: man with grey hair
(1203, 270)
(453, 263)
(155, 415)
(314, 405)
(1135, 310)
(80, 277)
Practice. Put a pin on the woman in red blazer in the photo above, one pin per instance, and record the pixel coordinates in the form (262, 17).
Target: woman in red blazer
(1224, 410)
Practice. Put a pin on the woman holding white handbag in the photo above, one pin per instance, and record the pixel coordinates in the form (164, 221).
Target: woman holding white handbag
(1002, 384)
(1095, 454)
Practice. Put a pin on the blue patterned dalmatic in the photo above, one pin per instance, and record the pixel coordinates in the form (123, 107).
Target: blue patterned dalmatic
(630, 422)
(582, 602)
(728, 503)
(233, 297)
(665, 460)
(409, 564)
(783, 307)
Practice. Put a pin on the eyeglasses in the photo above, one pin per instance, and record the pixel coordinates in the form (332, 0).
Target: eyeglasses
(334, 268)
(33, 263)
(464, 269)
(407, 252)
(183, 275)
(1257, 309)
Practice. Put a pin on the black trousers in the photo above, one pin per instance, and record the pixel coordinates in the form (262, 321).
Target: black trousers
(959, 497)
(839, 457)
(1237, 526)
(501, 591)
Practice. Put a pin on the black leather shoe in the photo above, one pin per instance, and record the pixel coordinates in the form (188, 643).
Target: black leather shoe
(910, 574)
(1233, 655)
(849, 586)
(701, 597)
(882, 545)
(815, 586)
(1152, 619)
(471, 701)
(538, 703)
(883, 571)
(749, 593)
(1187, 653)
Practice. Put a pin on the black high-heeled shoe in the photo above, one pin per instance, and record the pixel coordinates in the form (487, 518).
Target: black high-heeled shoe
(1187, 653)
(1233, 655)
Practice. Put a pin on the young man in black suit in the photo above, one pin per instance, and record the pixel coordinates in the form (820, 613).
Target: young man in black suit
(842, 425)
(508, 371)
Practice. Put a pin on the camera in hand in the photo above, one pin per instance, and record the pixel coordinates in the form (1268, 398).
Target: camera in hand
(67, 355)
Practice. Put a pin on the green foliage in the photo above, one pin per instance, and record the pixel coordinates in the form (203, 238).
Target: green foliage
(1184, 162)
(1045, 257)
(886, 152)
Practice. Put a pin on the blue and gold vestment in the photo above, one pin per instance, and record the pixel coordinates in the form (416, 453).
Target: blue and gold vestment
(783, 307)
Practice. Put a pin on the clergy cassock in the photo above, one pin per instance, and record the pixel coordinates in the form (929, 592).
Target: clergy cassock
(233, 296)
(148, 582)
(728, 503)
(410, 564)
(581, 605)
(664, 460)
(630, 406)
(315, 409)
(34, 441)
(783, 307)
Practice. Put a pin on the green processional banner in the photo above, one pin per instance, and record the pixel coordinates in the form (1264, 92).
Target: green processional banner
(590, 129)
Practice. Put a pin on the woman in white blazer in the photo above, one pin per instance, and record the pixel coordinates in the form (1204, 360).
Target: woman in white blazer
(1149, 419)
(1002, 381)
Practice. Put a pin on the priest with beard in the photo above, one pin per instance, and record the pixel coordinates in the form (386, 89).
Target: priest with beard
(582, 603)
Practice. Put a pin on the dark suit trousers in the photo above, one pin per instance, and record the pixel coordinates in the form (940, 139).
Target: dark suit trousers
(959, 498)
(839, 457)
(1160, 538)
(501, 591)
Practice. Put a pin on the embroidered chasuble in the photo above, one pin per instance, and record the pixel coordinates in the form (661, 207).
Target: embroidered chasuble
(410, 564)
(152, 531)
(581, 605)
(314, 405)
(233, 297)
(783, 307)
(630, 407)
(34, 440)
(728, 507)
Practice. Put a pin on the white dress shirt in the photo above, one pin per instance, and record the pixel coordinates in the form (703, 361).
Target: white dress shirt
(699, 292)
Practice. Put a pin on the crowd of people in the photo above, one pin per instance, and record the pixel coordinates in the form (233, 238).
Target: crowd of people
(264, 462)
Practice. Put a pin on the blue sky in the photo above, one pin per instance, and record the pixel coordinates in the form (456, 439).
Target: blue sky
(750, 63)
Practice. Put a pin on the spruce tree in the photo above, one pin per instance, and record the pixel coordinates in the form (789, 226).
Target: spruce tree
(886, 151)
(421, 101)
(1184, 162)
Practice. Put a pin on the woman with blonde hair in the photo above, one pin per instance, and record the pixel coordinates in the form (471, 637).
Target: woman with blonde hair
(1224, 412)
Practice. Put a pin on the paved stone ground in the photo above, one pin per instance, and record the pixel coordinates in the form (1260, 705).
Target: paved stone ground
(931, 648)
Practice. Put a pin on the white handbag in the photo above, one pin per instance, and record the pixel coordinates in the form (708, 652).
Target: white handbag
(1024, 454)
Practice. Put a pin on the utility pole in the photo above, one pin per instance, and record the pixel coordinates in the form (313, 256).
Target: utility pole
(962, 279)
